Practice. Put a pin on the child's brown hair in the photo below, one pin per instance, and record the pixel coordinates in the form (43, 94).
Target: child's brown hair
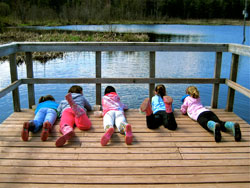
(75, 89)
(46, 98)
(161, 90)
(193, 92)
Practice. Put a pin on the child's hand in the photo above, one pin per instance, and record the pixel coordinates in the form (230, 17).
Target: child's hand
(183, 98)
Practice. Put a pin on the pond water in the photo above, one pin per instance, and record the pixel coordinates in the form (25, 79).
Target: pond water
(136, 64)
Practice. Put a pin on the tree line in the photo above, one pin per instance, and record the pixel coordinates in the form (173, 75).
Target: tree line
(107, 11)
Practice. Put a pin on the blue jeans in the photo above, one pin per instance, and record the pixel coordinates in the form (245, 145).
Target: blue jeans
(43, 115)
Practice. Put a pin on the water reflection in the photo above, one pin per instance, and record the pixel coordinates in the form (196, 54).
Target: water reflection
(136, 64)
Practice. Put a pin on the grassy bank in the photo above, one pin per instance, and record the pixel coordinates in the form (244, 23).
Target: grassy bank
(15, 35)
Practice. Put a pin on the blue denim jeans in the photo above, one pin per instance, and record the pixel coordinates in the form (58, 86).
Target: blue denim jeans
(43, 115)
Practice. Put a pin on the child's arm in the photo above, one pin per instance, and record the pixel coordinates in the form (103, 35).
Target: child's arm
(87, 105)
(184, 107)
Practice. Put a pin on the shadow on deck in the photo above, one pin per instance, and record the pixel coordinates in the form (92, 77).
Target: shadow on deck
(187, 157)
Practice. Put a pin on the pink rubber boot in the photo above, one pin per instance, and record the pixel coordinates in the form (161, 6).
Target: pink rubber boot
(106, 137)
(168, 103)
(128, 135)
(77, 109)
(146, 107)
(67, 132)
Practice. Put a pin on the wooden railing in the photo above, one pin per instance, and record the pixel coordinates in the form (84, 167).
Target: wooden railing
(30, 47)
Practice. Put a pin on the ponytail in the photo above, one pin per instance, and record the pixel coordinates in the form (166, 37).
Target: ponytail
(193, 92)
(161, 90)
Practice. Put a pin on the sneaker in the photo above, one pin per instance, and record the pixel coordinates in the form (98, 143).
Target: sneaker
(168, 103)
(25, 131)
(217, 134)
(106, 137)
(45, 131)
(128, 135)
(237, 132)
(145, 107)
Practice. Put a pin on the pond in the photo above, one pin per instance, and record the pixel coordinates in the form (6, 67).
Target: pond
(136, 64)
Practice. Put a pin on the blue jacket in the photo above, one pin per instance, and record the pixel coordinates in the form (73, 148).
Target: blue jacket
(157, 104)
(46, 104)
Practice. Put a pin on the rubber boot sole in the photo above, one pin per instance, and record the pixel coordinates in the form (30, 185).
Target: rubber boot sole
(237, 132)
(217, 133)
(106, 137)
(63, 139)
(129, 135)
(25, 131)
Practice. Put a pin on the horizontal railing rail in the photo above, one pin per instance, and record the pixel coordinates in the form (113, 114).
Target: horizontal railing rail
(98, 47)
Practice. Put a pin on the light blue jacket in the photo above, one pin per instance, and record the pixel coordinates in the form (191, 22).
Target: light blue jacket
(46, 104)
(157, 104)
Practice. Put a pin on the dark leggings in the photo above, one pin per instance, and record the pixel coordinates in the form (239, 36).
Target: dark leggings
(206, 116)
(154, 121)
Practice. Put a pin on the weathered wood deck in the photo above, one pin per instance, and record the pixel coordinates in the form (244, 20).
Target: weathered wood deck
(187, 157)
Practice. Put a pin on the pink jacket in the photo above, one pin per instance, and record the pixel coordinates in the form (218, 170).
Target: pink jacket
(111, 101)
(192, 107)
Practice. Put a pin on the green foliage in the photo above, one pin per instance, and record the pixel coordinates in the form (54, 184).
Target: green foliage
(4, 9)
(108, 11)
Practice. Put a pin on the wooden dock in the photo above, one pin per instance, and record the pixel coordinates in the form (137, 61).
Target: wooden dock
(187, 157)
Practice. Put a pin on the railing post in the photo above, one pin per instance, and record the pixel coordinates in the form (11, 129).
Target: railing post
(29, 70)
(98, 72)
(13, 75)
(151, 73)
(217, 72)
(233, 77)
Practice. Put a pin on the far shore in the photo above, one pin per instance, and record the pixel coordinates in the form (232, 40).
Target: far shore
(9, 34)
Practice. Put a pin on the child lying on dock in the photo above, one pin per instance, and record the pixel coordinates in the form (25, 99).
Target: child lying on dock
(113, 114)
(45, 116)
(207, 119)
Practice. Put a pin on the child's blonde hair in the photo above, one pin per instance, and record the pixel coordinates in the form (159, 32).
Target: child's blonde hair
(193, 92)
(160, 90)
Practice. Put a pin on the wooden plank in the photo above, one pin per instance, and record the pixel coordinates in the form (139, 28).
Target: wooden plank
(29, 70)
(14, 77)
(233, 77)
(122, 80)
(125, 163)
(238, 87)
(157, 179)
(119, 46)
(217, 71)
(126, 171)
(145, 185)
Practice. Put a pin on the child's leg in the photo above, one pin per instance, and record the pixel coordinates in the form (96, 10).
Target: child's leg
(123, 126)
(27, 126)
(168, 103)
(154, 121)
(172, 125)
(49, 121)
(169, 121)
(83, 122)
(215, 128)
(235, 128)
(205, 121)
(66, 127)
(146, 107)
(39, 119)
(108, 123)
(77, 109)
